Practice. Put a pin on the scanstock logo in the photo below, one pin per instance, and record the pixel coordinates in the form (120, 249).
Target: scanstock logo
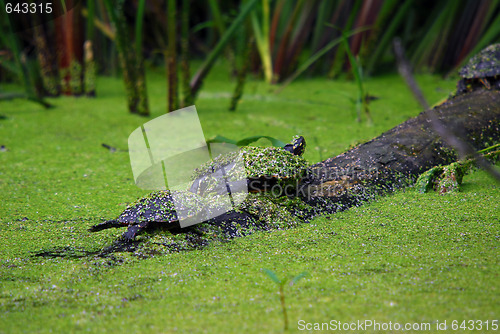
(28, 14)
(164, 153)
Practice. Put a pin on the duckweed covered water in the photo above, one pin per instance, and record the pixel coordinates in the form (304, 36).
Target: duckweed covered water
(408, 257)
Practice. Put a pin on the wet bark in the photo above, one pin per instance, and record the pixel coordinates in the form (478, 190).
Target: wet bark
(395, 158)
(390, 161)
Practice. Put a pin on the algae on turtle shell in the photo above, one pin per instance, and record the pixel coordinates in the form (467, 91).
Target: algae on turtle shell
(482, 70)
(260, 165)
(484, 64)
(261, 169)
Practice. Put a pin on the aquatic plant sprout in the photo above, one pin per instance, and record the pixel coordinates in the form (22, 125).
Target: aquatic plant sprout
(164, 153)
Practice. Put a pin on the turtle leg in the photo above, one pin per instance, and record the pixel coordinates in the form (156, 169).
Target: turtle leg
(135, 230)
(461, 87)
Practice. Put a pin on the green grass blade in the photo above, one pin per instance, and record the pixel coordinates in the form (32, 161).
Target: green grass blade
(489, 31)
(324, 10)
(63, 5)
(315, 57)
(338, 60)
(488, 36)
(431, 45)
(488, 149)
(261, 33)
(10, 66)
(139, 21)
(202, 25)
(221, 139)
(90, 20)
(272, 276)
(357, 76)
(171, 57)
(388, 35)
(298, 277)
(249, 140)
(184, 55)
(217, 16)
(197, 80)
(281, 62)
(11, 42)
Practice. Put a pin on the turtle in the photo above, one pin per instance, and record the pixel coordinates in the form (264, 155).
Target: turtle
(264, 168)
(155, 210)
(482, 70)
(159, 210)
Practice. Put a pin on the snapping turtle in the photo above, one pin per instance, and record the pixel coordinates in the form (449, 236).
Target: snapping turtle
(482, 70)
(264, 168)
(155, 210)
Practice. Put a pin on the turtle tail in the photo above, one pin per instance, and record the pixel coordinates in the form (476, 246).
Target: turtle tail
(108, 224)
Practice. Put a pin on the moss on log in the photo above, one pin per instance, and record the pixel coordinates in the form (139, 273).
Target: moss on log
(395, 158)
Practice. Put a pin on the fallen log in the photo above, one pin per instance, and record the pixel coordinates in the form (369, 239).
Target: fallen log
(395, 158)
(388, 162)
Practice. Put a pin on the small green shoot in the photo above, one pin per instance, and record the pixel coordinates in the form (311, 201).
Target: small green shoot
(281, 284)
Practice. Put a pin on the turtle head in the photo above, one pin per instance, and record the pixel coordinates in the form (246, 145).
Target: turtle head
(297, 146)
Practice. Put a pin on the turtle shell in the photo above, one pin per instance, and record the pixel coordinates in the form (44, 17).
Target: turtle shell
(485, 64)
(264, 167)
(274, 162)
(157, 207)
